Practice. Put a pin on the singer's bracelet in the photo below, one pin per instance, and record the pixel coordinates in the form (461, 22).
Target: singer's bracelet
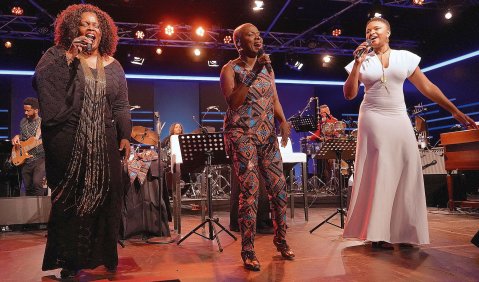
(249, 79)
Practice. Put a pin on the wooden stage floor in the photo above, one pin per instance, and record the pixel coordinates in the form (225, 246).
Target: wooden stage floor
(321, 256)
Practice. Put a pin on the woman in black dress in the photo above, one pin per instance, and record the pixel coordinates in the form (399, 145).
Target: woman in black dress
(86, 126)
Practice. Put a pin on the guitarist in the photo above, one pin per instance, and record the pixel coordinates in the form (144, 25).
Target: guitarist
(33, 170)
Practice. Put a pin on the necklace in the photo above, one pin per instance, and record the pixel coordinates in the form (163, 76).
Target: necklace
(248, 66)
(383, 77)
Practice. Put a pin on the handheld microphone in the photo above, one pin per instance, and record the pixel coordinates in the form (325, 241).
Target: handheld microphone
(361, 52)
(268, 65)
(89, 45)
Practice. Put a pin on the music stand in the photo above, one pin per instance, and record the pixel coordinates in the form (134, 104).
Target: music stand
(200, 151)
(303, 124)
(338, 149)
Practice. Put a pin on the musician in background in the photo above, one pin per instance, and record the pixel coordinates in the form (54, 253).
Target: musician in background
(33, 170)
(175, 129)
(324, 117)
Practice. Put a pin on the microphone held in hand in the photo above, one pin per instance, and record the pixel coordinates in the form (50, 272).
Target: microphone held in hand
(268, 65)
(89, 45)
(361, 52)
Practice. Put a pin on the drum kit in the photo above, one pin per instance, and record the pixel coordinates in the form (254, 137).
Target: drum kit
(190, 183)
(327, 169)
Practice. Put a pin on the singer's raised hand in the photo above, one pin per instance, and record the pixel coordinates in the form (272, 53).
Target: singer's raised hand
(79, 44)
(261, 61)
(361, 52)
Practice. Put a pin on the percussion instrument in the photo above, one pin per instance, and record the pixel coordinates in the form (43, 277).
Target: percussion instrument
(339, 128)
(327, 129)
(144, 135)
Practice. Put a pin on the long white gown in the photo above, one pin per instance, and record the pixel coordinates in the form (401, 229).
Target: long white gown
(388, 200)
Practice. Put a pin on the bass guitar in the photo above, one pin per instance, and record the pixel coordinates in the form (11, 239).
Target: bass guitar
(20, 152)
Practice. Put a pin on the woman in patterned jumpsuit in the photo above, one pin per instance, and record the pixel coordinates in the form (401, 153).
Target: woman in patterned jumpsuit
(248, 86)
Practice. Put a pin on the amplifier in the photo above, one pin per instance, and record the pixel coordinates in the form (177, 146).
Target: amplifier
(24, 210)
(432, 160)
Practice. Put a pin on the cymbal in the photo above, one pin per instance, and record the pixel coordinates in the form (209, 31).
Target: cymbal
(210, 129)
(144, 135)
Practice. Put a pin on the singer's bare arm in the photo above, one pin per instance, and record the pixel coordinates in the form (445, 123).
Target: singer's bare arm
(235, 94)
(431, 91)
(351, 85)
(284, 126)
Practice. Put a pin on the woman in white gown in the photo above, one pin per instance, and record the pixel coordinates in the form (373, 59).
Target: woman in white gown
(388, 203)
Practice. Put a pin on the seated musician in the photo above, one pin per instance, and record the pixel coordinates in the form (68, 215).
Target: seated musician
(325, 117)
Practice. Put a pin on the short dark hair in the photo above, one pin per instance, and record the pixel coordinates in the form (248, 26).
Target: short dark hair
(382, 20)
(68, 21)
(31, 101)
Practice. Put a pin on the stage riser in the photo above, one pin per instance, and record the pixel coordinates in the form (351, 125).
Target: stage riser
(24, 210)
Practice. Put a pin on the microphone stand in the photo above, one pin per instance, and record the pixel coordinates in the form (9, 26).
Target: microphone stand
(159, 128)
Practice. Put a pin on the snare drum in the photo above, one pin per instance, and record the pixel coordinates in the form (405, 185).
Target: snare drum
(327, 129)
(339, 128)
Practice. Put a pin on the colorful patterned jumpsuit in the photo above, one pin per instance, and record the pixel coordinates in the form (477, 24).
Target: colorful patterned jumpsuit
(252, 143)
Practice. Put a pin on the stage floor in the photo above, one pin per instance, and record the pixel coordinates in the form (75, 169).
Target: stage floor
(321, 256)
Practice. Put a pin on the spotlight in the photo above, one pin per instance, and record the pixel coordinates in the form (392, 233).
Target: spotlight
(294, 64)
(200, 31)
(197, 52)
(448, 15)
(336, 32)
(418, 2)
(326, 59)
(169, 30)
(140, 34)
(378, 15)
(17, 10)
(159, 51)
(8, 44)
(227, 39)
(213, 64)
(138, 61)
(258, 5)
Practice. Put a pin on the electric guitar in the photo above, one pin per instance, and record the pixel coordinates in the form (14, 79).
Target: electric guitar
(20, 152)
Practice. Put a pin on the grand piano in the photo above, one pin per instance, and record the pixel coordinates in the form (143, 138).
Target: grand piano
(461, 152)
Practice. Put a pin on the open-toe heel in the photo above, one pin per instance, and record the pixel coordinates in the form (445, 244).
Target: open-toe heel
(250, 260)
(284, 249)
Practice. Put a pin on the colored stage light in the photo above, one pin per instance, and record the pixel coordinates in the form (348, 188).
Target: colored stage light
(227, 39)
(159, 51)
(200, 31)
(140, 34)
(197, 52)
(17, 10)
(169, 30)
(336, 32)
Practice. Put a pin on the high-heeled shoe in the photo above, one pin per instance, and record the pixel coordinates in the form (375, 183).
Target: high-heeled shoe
(284, 249)
(68, 273)
(382, 245)
(250, 260)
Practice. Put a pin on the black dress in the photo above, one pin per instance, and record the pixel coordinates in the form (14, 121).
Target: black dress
(74, 241)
